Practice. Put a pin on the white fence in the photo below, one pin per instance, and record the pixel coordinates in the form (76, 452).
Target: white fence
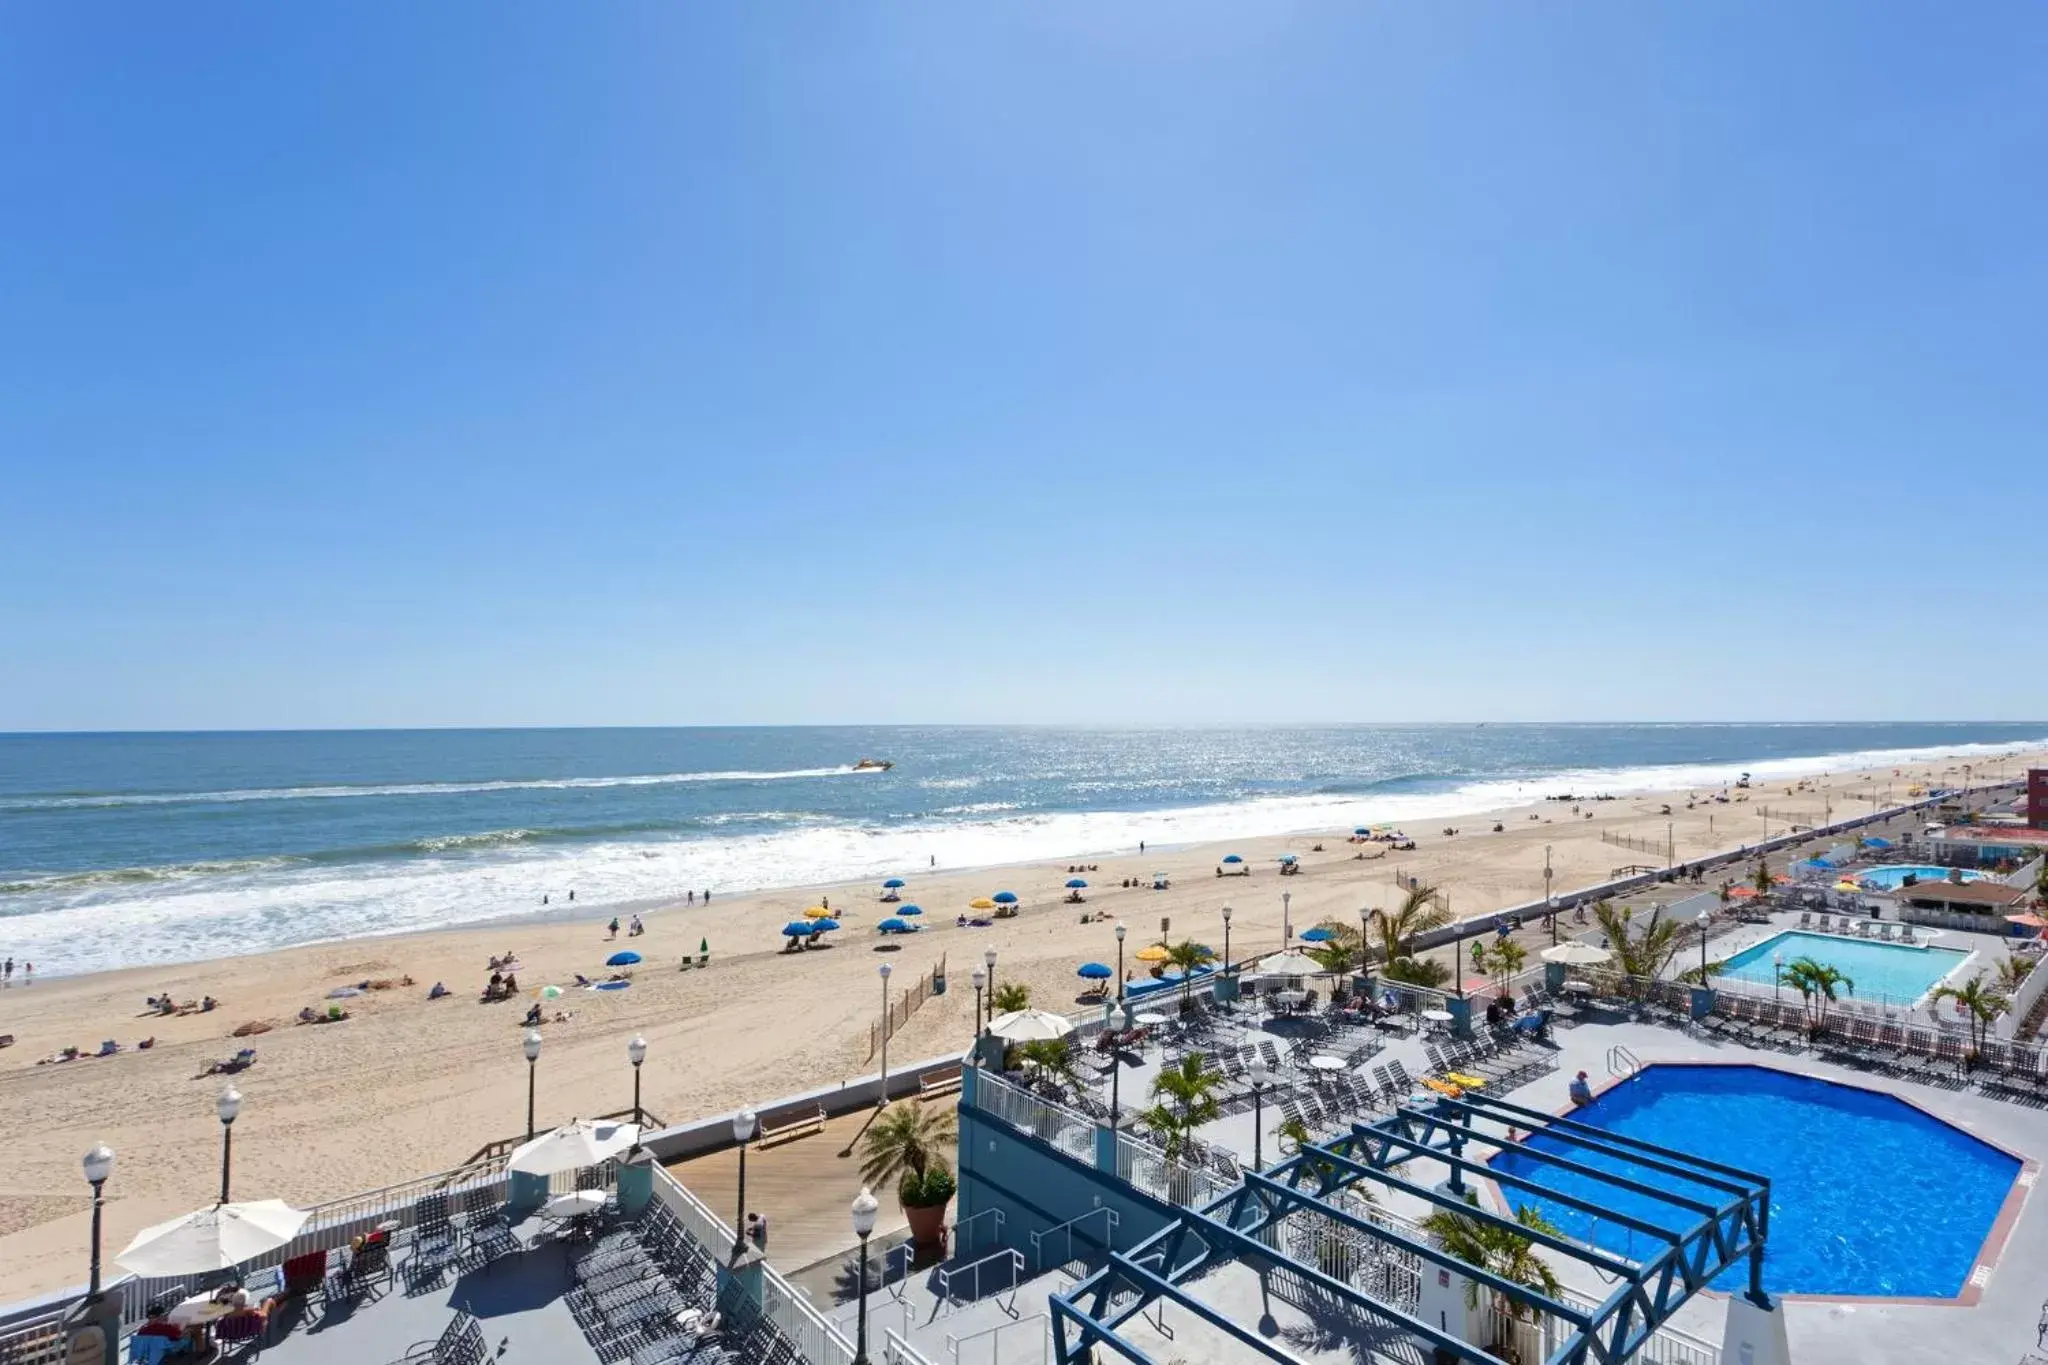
(1067, 1129)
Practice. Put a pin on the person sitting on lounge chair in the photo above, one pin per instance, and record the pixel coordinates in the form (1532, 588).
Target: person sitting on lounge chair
(306, 1016)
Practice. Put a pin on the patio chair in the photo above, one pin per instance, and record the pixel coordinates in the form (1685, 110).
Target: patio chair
(304, 1274)
(1906, 933)
(460, 1343)
(240, 1331)
(1822, 924)
(1805, 919)
(151, 1350)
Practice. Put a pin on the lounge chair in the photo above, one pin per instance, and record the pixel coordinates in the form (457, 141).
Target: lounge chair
(1822, 924)
(1906, 933)
(1805, 919)
(460, 1343)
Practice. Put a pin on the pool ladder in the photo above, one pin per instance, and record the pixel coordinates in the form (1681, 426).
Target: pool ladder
(1621, 1062)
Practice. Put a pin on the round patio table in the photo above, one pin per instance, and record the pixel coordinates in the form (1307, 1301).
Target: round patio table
(1322, 1063)
(1148, 1018)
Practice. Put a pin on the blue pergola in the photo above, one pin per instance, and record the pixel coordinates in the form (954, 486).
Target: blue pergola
(1723, 1218)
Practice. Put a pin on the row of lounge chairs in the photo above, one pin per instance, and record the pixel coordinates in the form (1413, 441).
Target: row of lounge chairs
(1853, 926)
(1501, 1058)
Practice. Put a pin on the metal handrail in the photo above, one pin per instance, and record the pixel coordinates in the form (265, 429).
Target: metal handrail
(897, 1351)
(1622, 1062)
(997, 1356)
(1108, 1241)
(1016, 1262)
(960, 1243)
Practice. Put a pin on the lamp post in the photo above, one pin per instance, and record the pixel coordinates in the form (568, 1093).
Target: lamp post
(1226, 940)
(1703, 921)
(980, 980)
(99, 1165)
(227, 1106)
(1777, 975)
(636, 1053)
(882, 1095)
(1286, 919)
(1116, 1070)
(988, 960)
(1262, 1076)
(532, 1048)
(1550, 904)
(743, 1133)
(864, 1207)
(1119, 961)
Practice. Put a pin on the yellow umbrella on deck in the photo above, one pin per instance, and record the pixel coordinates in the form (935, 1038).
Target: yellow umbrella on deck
(1153, 952)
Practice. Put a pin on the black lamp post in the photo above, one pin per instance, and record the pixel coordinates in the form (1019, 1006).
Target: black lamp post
(980, 980)
(1119, 961)
(227, 1106)
(532, 1049)
(1703, 921)
(1116, 1069)
(99, 1165)
(743, 1132)
(636, 1053)
(989, 960)
(1226, 940)
(864, 1208)
(1262, 1076)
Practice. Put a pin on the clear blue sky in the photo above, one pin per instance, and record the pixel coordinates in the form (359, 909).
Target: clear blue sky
(666, 363)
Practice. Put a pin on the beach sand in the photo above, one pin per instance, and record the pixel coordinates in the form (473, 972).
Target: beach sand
(408, 1086)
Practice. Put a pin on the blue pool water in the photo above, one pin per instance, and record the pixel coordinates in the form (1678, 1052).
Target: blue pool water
(1886, 973)
(1893, 876)
(1869, 1195)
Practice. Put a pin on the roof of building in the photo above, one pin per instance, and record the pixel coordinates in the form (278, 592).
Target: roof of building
(2007, 836)
(1965, 893)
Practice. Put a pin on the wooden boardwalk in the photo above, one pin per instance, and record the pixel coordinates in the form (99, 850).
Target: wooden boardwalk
(804, 1187)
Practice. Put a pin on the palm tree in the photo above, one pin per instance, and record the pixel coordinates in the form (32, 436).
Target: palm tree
(1642, 955)
(906, 1144)
(1419, 914)
(1981, 1007)
(1501, 961)
(1183, 1099)
(2011, 972)
(1761, 878)
(1051, 1058)
(1818, 985)
(1188, 955)
(1010, 997)
(1502, 1251)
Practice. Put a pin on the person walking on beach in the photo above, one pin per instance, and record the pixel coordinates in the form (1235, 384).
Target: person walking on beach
(614, 927)
(707, 895)
(7, 973)
(636, 928)
(572, 893)
(690, 897)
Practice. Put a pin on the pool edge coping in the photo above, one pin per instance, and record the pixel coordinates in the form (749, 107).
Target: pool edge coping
(1982, 1266)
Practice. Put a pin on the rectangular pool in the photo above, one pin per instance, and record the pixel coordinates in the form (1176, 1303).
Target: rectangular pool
(1885, 973)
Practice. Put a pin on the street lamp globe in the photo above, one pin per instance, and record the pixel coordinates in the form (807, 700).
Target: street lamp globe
(532, 1045)
(989, 958)
(980, 978)
(99, 1164)
(743, 1125)
(1262, 1074)
(229, 1104)
(885, 969)
(636, 1051)
(1119, 931)
(1226, 914)
(865, 1207)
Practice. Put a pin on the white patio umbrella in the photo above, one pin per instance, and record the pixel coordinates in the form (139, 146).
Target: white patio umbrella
(1291, 964)
(580, 1143)
(212, 1239)
(1030, 1026)
(1572, 953)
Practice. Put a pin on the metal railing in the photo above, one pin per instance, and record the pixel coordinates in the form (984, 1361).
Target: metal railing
(897, 1351)
(962, 1243)
(1014, 1260)
(1039, 1239)
(1067, 1129)
(1001, 1340)
(1147, 1168)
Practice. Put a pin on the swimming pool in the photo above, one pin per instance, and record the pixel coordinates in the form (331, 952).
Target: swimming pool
(1869, 1195)
(1887, 973)
(1892, 876)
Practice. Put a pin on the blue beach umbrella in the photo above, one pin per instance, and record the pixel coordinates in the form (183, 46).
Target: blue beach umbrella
(892, 925)
(1004, 898)
(1315, 935)
(622, 959)
(799, 928)
(894, 883)
(1232, 858)
(1094, 971)
(1361, 831)
(1877, 843)
(1288, 858)
(1076, 884)
(611, 985)
(821, 925)
(910, 910)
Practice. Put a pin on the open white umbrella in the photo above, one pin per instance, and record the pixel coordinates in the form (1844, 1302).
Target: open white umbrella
(1572, 953)
(582, 1142)
(212, 1239)
(1291, 964)
(1030, 1026)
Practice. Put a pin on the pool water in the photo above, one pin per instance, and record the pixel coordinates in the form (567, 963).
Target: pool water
(1887, 973)
(1869, 1195)
(1893, 876)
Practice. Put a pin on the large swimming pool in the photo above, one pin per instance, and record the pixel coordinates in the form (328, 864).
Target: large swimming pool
(1893, 876)
(1869, 1195)
(1884, 973)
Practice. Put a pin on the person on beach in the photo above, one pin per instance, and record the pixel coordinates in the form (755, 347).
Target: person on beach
(689, 897)
(7, 973)
(572, 893)
(613, 927)
(707, 895)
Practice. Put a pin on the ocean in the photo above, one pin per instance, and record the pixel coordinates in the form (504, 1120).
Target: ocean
(128, 849)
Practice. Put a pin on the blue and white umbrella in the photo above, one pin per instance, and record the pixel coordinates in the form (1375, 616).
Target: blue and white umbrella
(894, 883)
(1004, 898)
(1094, 971)
(622, 959)
(910, 909)
(892, 925)
(1075, 884)
(821, 925)
(1288, 858)
(1316, 935)
(797, 928)
(1232, 858)
(1361, 831)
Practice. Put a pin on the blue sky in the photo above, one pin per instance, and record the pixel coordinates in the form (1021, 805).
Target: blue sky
(653, 363)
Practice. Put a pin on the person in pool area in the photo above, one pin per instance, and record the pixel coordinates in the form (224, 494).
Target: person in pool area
(1581, 1091)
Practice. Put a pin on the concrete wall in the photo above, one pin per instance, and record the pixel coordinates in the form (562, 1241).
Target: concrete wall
(709, 1134)
(1038, 1187)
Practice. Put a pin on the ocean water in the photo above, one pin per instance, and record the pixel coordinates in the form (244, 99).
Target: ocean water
(125, 849)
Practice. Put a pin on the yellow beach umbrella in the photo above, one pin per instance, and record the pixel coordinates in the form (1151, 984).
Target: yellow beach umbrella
(817, 912)
(1847, 886)
(1153, 952)
(981, 903)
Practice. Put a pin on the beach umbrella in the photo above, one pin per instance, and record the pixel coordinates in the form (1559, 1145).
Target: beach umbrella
(1094, 971)
(1290, 963)
(1075, 883)
(610, 985)
(981, 903)
(1742, 893)
(2027, 921)
(1317, 935)
(891, 925)
(580, 1143)
(1030, 1026)
(212, 1238)
(894, 884)
(817, 912)
(622, 959)
(1232, 858)
(824, 926)
(1289, 858)
(1572, 953)
(1846, 885)
(797, 928)
(910, 909)
(1153, 952)
(548, 993)
(1361, 831)
(1005, 898)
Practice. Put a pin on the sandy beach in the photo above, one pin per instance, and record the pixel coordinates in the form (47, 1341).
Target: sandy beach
(407, 1085)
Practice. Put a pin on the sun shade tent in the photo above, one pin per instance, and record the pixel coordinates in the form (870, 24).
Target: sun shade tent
(1030, 1026)
(212, 1238)
(572, 1147)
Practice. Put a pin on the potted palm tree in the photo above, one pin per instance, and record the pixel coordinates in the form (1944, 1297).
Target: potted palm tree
(1009, 997)
(1504, 1253)
(1183, 1099)
(909, 1144)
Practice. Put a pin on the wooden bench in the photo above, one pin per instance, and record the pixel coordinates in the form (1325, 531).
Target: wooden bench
(941, 1081)
(789, 1123)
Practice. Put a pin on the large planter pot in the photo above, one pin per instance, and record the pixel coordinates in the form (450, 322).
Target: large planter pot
(927, 1224)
